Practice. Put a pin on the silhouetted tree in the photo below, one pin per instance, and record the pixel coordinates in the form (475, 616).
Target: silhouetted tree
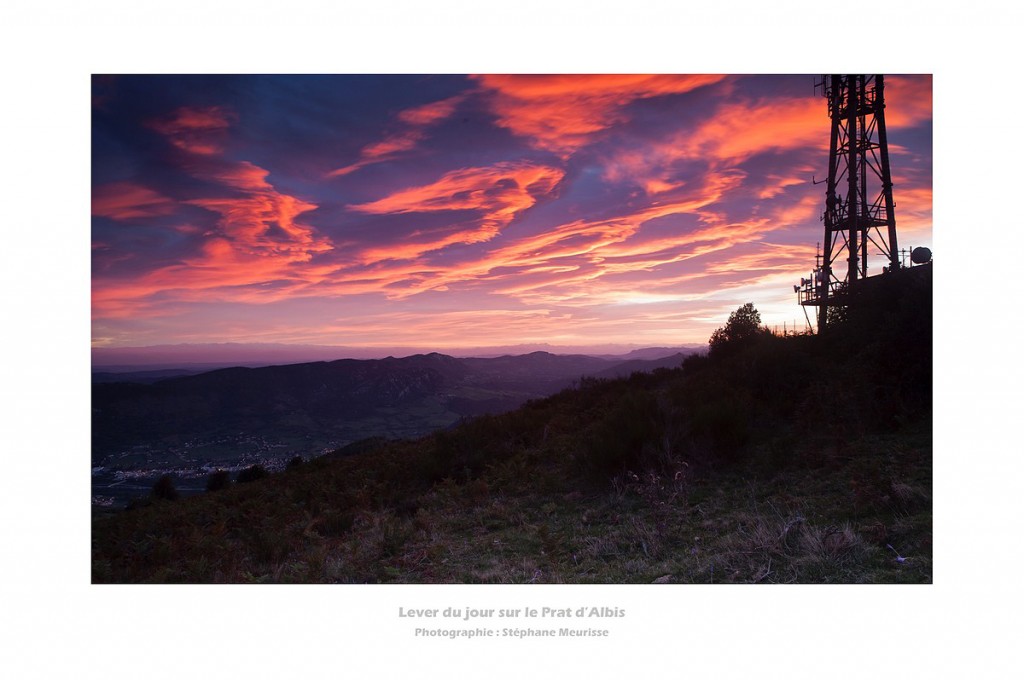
(164, 488)
(743, 326)
(254, 472)
(219, 479)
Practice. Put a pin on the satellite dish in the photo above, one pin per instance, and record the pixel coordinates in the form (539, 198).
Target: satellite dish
(921, 255)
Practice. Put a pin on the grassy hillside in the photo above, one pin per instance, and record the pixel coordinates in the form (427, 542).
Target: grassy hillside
(778, 459)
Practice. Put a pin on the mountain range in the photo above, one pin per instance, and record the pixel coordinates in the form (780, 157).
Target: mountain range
(199, 357)
(172, 417)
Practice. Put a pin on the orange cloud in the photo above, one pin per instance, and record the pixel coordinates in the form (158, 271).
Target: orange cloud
(384, 149)
(908, 100)
(776, 184)
(786, 258)
(586, 260)
(497, 192)
(258, 241)
(431, 113)
(728, 138)
(562, 263)
(759, 264)
(129, 201)
(418, 119)
(242, 175)
(660, 186)
(390, 146)
(806, 209)
(733, 133)
(195, 130)
(913, 215)
(559, 113)
(448, 328)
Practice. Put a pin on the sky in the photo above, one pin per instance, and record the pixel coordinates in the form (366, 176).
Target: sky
(451, 211)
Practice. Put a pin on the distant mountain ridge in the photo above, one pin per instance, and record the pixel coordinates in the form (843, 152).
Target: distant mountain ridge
(623, 369)
(314, 404)
(209, 356)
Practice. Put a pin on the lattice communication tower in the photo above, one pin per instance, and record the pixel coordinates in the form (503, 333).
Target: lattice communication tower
(859, 212)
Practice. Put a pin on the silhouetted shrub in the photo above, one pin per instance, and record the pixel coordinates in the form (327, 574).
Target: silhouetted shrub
(219, 479)
(164, 489)
(296, 462)
(136, 503)
(724, 419)
(626, 438)
(777, 371)
(252, 473)
(266, 543)
(694, 363)
(368, 444)
(463, 452)
(335, 523)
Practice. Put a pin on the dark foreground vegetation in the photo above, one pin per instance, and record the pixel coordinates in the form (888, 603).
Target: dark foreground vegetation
(772, 459)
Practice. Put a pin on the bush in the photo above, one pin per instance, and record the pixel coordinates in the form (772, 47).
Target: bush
(164, 488)
(724, 420)
(296, 462)
(252, 473)
(219, 479)
(694, 363)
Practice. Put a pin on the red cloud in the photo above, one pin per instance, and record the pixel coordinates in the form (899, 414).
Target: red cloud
(913, 214)
(243, 175)
(585, 250)
(417, 118)
(258, 241)
(908, 100)
(498, 192)
(431, 113)
(735, 133)
(198, 131)
(261, 221)
(731, 135)
(390, 146)
(560, 112)
(383, 149)
(786, 258)
(776, 184)
(807, 209)
(129, 201)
